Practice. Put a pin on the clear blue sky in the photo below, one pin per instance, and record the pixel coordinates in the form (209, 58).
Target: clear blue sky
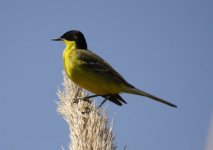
(162, 47)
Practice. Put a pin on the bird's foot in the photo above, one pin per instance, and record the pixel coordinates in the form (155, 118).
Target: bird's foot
(86, 98)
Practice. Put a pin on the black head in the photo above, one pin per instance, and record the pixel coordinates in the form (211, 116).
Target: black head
(76, 36)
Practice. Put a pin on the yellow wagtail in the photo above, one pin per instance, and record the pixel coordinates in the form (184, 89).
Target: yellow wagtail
(94, 74)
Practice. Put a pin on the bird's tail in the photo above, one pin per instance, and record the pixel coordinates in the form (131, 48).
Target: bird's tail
(133, 90)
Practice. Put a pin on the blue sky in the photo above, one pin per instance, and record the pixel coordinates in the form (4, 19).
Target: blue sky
(162, 47)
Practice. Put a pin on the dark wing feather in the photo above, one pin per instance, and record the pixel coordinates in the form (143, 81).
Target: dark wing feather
(117, 99)
(100, 66)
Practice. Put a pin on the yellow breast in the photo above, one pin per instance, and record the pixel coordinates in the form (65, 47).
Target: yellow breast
(87, 79)
(69, 57)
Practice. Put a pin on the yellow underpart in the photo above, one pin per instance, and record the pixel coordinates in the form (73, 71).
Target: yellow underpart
(88, 80)
(68, 55)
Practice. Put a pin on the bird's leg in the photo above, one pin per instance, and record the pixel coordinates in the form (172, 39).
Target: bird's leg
(102, 102)
(86, 98)
(91, 96)
(105, 99)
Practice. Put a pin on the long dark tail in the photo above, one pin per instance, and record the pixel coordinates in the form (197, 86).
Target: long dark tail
(136, 91)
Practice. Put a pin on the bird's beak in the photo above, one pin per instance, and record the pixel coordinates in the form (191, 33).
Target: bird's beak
(57, 39)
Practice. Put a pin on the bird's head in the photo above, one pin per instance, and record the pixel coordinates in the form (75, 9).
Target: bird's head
(73, 37)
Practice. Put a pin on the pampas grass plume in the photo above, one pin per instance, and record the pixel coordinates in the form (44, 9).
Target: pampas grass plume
(88, 124)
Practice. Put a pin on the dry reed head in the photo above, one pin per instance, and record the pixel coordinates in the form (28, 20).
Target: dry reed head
(87, 123)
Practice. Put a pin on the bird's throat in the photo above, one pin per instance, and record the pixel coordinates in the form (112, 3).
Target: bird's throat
(67, 56)
(70, 45)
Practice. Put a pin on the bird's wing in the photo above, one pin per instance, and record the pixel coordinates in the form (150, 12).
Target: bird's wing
(96, 64)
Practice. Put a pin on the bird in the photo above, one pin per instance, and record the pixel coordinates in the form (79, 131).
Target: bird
(93, 73)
